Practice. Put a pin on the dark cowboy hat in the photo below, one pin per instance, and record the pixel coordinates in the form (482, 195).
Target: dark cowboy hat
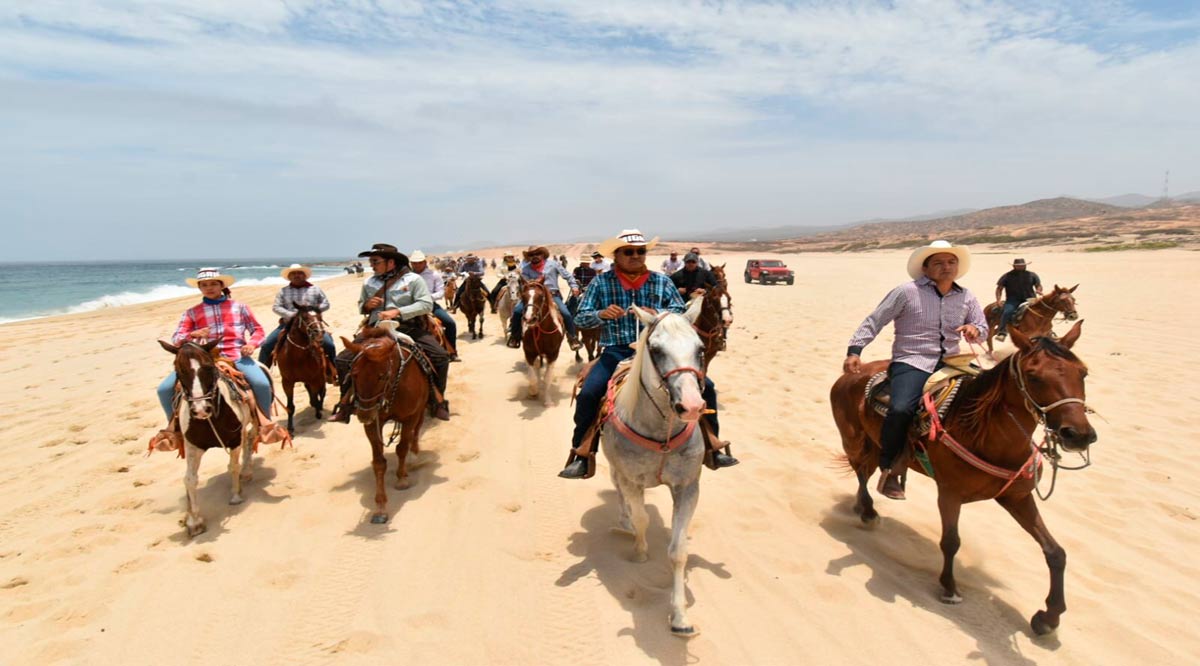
(386, 251)
(535, 250)
(1021, 262)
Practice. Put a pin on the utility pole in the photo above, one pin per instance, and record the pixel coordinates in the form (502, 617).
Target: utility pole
(1166, 186)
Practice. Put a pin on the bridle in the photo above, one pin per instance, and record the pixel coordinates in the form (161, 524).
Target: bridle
(382, 399)
(1052, 440)
(1050, 305)
(664, 376)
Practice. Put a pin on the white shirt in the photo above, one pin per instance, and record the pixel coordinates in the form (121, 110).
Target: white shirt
(601, 265)
(670, 266)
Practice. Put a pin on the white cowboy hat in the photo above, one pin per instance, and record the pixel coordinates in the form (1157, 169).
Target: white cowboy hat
(627, 237)
(211, 274)
(294, 268)
(919, 255)
(416, 256)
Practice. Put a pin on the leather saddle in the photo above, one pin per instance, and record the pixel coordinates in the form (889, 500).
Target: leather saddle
(943, 386)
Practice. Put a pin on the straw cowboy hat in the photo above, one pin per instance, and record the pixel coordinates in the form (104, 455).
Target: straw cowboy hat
(1020, 262)
(211, 274)
(416, 256)
(627, 238)
(537, 249)
(295, 268)
(919, 255)
(386, 251)
(585, 258)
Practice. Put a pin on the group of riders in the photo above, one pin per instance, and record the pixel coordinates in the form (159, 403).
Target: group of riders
(931, 313)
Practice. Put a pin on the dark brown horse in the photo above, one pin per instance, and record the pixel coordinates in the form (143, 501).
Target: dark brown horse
(473, 304)
(211, 416)
(542, 335)
(301, 359)
(1039, 315)
(992, 421)
(389, 385)
(716, 316)
(590, 337)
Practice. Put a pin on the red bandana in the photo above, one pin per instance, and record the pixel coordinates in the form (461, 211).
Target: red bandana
(632, 283)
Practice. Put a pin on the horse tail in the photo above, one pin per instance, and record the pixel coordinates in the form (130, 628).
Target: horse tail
(840, 463)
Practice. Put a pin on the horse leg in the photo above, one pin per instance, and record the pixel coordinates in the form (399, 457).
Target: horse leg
(235, 473)
(864, 505)
(320, 399)
(547, 380)
(288, 388)
(379, 465)
(635, 500)
(1025, 511)
(248, 436)
(404, 448)
(191, 479)
(531, 374)
(624, 524)
(685, 498)
(949, 508)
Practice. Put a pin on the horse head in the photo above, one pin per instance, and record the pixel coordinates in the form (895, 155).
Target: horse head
(311, 323)
(719, 273)
(197, 373)
(1051, 380)
(1063, 300)
(671, 356)
(536, 298)
(372, 371)
(513, 283)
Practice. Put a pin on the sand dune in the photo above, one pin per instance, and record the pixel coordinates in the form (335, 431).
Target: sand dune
(490, 558)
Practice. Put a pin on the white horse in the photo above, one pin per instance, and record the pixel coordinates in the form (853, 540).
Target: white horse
(652, 437)
(509, 297)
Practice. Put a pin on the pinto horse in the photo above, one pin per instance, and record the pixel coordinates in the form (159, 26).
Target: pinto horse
(1039, 315)
(473, 304)
(388, 386)
(214, 416)
(986, 448)
(301, 359)
(542, 335)
(716, 316)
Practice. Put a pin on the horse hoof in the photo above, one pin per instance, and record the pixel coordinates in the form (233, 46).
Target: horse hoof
(246, 476)
(1041, 624)
(404, 484)
(871, 522)
(379, 519)
(685, 632)
(236, 500)
(197, 530)
(950, 599)
(639, 557)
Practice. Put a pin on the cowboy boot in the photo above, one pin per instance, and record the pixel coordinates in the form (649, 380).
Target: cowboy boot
(442, 411)
(714, 457)
(581, 463)
(892, 479)
(573, 341)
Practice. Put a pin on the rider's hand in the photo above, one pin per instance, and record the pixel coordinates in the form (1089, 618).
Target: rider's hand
(199, 334)
(374, 302)
(612, 312)
(247, 350)
(969, 332)
(389, 314)
(852, 364)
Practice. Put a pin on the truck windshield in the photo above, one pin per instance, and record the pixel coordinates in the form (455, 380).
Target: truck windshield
(770, 263)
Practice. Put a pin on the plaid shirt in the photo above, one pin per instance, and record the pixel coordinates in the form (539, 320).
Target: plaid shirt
(227, 321)
(925, 322)
(310, 295)
(658, 292)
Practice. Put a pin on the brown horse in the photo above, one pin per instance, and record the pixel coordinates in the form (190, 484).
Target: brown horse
(474, 303)
(449, 290)
(213, 416)
(716, 316)
(991, 422)
(388, 386)
(542, 336)
(590, 337)
(301, 359)
(433, 326)
(1039, 315)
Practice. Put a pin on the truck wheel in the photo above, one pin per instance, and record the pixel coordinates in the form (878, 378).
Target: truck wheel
(747, 276)
(791, 281)
(762, 278)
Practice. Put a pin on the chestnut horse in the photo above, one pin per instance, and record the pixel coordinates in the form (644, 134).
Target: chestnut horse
(1039, 315)
(473, 304)
(212, 417)
(388, 386)
(301, 359)
(716, 316)
(991, 425)
(542, 335)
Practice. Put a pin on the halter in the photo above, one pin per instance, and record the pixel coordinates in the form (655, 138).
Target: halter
(383, 399)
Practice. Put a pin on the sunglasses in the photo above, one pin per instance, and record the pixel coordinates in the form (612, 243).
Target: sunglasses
(634, 251)
(374, 262)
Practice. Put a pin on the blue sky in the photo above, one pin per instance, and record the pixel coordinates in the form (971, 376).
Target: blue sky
(142, 129)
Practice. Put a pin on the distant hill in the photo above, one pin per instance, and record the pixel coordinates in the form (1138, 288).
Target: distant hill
(798, 231)
(1042, 210)
(1127, 200)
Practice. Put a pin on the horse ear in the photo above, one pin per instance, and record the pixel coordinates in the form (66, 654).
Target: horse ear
(645, 317)
(169, 347)
(1072, 335)
(722, 267)
(210, 345)
(1072, 289)
(350, 345)
(1019, 339)
(693, 311)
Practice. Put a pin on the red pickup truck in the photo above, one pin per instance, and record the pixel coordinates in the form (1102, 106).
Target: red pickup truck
(767, 271)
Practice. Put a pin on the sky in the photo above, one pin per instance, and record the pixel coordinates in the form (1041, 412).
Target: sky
(147, 129)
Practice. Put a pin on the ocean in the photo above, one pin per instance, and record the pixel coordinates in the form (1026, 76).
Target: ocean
(32, 290)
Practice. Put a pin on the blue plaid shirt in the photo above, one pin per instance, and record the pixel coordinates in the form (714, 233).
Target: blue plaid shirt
(658, 292)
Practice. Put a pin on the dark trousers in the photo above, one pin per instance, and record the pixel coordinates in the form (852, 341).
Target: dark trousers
(907, 385)
(587, 403)
(1006, 316)
(448, 323)
(428, 344)
(272, 339)
(495, 292)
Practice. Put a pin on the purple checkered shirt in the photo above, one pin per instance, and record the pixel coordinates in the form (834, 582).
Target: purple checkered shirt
(925, 322)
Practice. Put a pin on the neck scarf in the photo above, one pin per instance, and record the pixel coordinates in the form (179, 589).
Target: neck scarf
(631, 281)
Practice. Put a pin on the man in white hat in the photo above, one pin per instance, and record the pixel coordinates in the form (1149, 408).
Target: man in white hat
(420, 266)
(298, 291)
(931, 313)
(606, 305)
(1018, 286)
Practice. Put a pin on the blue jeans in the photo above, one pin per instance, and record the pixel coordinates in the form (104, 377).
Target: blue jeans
(908, 383)
(587, 403)
(1006, 316)
(259, 383)
(268, 346)
(448, 324)
(514, 325)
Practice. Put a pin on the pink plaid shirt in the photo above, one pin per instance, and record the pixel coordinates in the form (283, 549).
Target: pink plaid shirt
(227, 321)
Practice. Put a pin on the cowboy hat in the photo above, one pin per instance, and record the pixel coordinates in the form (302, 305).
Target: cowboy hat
(536, 249)
(211, 274)
(627, 237)
(416, 256)
(386, 251)
(585, 258)
(917, 259)
(1021, 262)
(295, 268)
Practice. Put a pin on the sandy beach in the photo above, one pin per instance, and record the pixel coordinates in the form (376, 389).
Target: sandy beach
(491, 559)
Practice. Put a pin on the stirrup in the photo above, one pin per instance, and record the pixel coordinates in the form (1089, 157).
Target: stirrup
(891, 484)
(579, 468)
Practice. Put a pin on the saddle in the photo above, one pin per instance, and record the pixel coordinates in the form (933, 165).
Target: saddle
(942, 386)
(1021, 309)
(405, 341)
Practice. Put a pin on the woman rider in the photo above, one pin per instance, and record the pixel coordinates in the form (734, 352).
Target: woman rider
(219, 317)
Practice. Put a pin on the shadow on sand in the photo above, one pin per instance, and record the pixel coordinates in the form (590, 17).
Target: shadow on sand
(213, 496)
(422, 473)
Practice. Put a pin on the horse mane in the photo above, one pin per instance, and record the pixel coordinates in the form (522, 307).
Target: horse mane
(677, 325)
(979, 396)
